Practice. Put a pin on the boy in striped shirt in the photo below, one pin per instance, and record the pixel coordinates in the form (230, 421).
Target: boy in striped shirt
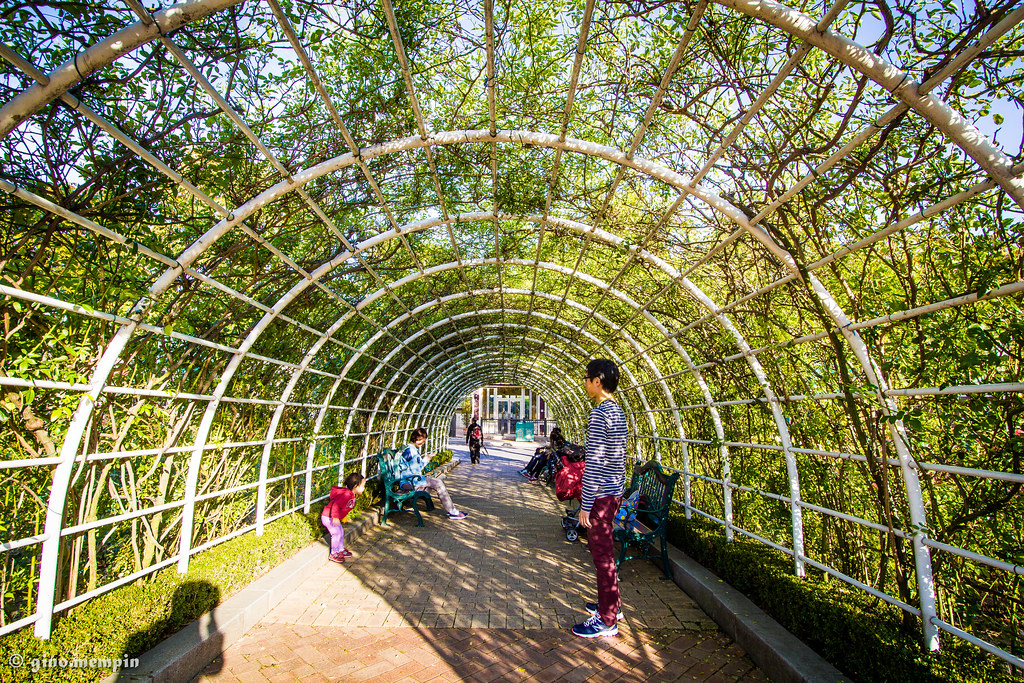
(604, 481)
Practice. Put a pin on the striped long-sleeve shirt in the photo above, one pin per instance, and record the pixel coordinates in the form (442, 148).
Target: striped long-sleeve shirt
(605, 473)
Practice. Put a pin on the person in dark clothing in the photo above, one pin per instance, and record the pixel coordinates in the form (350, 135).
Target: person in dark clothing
(542, 455)
(475, 441)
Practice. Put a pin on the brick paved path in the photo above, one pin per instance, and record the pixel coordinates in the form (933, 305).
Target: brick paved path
(488, 598)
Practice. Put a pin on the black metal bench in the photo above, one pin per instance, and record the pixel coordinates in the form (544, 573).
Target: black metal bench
(394, 497)
(651, 523)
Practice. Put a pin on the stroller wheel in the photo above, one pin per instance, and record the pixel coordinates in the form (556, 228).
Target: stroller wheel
(571, 534)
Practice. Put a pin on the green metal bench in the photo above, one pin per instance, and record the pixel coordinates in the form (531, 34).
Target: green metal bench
(651, 523)
(394, 497)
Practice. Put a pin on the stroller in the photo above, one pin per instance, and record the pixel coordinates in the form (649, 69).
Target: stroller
(569, 486)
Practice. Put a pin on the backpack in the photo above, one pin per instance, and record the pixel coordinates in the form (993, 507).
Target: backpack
(476, 434)
(569, 480)
(627, 510)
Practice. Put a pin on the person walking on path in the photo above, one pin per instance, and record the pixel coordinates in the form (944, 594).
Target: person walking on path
(475, 440)
(411, 474)
(343, 499)
(604, 482)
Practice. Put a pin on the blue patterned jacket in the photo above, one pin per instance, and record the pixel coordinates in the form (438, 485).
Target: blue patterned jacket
(410, 466)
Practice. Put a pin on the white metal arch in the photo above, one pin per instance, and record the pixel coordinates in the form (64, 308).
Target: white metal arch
(489, 371)
(224, 225)
(786, 19)
(549, 389)
(492, 367)
(441, 386)
(794, 490)
(404, 389)
(609, 154)
(789, 20)
(546, 389)
(603, 320)
(480, 292)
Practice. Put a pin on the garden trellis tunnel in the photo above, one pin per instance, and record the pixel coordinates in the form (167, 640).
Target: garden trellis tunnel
(247, 244)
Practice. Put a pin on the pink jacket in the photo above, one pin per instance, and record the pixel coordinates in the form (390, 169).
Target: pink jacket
(341, 503)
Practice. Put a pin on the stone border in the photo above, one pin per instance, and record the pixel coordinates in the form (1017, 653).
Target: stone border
(183, 655)
(778, 653)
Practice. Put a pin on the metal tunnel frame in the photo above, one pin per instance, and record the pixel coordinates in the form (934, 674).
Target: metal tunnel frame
(430, 370)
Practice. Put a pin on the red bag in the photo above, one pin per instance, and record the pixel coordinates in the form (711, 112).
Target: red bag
(569, 480)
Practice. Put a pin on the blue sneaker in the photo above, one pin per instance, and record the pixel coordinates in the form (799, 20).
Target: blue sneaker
(592, 608)
(595, 628)
(457, 515)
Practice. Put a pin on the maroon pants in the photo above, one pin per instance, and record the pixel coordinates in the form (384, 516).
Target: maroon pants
(602, 549)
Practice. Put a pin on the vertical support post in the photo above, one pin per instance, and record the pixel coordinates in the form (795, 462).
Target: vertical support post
(897, 431)
(723, 451)
(311, 451)
(919, 522)
(54, 524)
(268, 447)
(716, 420)
(199, 447)
(188, 509)
(793, 475)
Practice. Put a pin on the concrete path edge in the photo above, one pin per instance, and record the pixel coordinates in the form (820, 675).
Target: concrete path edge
(780, 654)
(183, 655)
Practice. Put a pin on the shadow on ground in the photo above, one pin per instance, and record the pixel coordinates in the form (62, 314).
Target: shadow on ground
(488, 598)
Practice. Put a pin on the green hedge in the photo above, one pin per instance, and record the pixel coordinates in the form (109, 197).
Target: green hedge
(442, 458)
(860, 635)
(132, 619)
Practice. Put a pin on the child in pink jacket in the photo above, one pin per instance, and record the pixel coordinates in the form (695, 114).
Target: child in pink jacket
(343, 499)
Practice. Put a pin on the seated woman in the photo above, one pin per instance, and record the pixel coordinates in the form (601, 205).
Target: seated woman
(412, 477)
(542, 455)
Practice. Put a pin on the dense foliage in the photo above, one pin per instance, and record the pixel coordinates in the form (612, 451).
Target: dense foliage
(330, 319)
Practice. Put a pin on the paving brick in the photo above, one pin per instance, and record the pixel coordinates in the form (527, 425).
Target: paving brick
(491, 599)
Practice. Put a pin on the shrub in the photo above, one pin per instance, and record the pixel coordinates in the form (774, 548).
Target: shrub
(442, 458)
(860, 635)
(134, 618)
